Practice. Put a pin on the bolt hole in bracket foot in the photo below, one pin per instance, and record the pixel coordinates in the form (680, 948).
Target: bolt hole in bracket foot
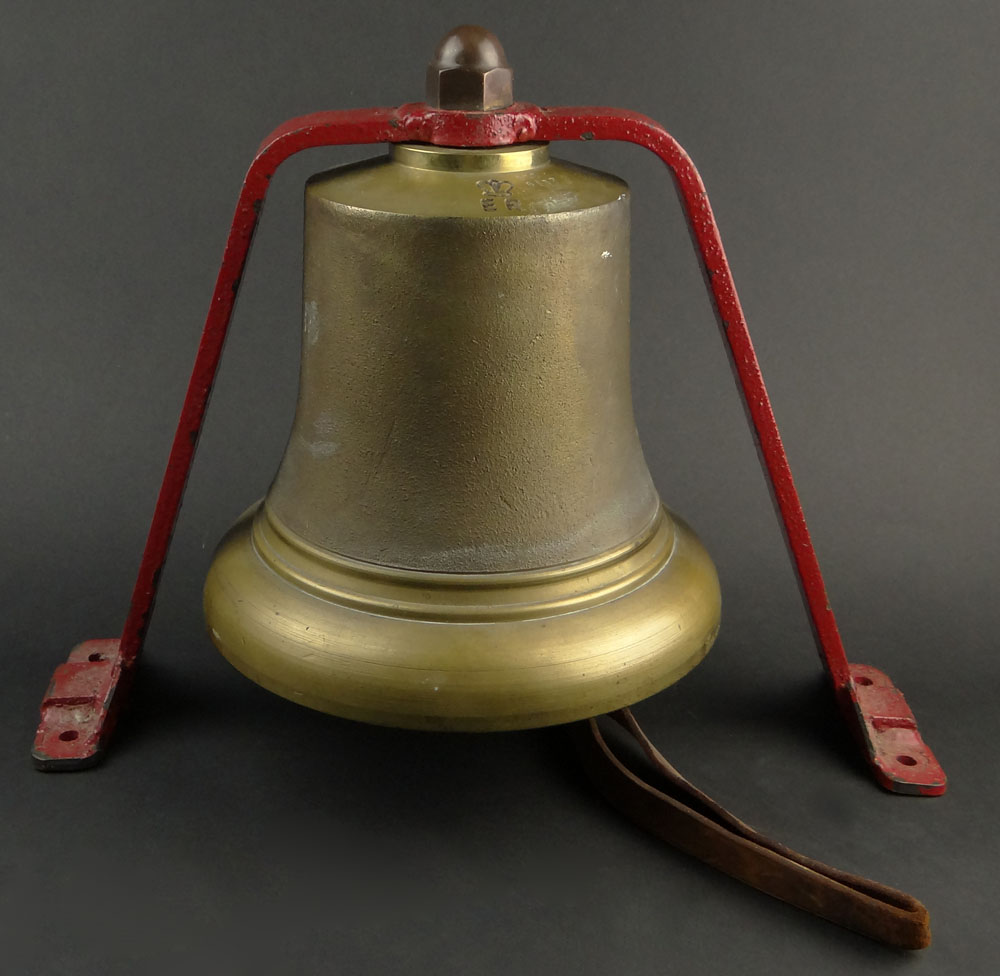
(80, 707)
(897, 753)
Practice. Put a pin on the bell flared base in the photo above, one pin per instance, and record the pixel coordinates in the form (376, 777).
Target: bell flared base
(459, 651)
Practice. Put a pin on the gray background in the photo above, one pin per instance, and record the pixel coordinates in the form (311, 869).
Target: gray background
(851, 151)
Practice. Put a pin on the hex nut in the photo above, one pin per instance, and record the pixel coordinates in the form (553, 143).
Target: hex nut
(469, 72)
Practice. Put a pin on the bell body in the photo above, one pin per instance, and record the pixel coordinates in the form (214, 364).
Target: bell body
(463, 533)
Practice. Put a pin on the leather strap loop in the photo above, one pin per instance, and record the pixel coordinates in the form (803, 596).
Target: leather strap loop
(694, 823)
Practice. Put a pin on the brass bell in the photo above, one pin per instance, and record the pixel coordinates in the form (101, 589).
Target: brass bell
(463, 533)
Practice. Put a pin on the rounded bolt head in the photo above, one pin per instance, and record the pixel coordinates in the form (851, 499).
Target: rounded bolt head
(469, 72)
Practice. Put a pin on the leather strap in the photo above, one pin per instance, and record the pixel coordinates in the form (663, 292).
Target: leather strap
(688, 819)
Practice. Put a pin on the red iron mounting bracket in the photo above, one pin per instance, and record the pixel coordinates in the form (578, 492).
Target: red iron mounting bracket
(79, 708)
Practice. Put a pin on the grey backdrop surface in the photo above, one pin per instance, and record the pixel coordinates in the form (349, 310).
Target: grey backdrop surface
(851, 153)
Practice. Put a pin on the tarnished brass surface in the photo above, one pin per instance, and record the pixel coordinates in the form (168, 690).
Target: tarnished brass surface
(465, 402)
(463, 532)
(462, 652)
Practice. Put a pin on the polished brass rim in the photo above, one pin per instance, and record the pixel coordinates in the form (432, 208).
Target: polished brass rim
(465, 597)
(503, 159)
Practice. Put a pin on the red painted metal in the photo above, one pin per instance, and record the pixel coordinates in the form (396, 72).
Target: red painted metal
(526, 123)
(897, 754)
(80, 707)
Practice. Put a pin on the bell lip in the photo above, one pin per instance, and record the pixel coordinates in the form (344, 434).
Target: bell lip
(502, 674)
(511, 721)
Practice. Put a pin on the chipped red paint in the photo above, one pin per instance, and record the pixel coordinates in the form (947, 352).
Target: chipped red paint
(527, 123)
(896, 752)
(80, 707)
